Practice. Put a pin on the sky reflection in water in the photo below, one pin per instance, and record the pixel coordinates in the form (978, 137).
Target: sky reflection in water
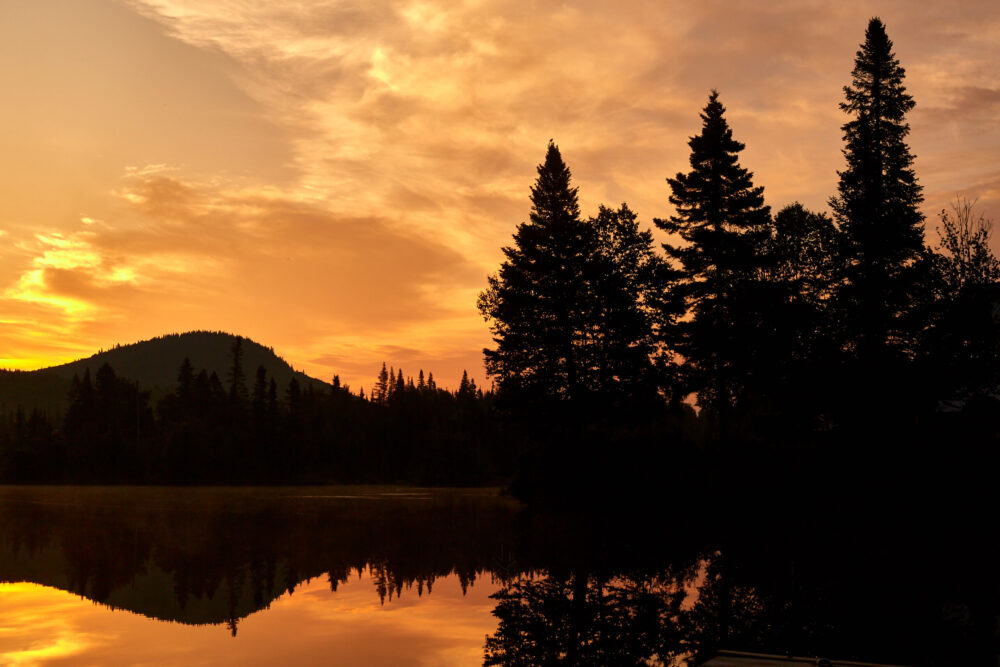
(312, 626)
(612, 588)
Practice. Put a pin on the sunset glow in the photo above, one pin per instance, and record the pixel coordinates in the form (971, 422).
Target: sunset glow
(311, 626)
(336, 179)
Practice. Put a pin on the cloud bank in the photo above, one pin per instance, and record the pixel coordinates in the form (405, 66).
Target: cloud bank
(336, 179)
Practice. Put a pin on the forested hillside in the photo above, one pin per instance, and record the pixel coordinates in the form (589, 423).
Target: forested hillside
(152, 363)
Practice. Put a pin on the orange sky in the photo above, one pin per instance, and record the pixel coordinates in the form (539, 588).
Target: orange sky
(312, 626)
(336, 178)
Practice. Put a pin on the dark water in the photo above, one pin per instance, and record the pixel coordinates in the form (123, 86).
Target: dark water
(368, 576)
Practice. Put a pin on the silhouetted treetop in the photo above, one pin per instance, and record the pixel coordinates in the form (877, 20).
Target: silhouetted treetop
(574, 307)
(877, 206)
(537, 301)
(724, 223)
(553, 200)
(715, 199)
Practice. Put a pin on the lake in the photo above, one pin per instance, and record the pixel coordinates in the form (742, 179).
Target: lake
(398, 576)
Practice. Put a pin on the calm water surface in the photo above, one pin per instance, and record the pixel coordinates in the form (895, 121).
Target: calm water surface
(389, 576)
(355, 576)
(311, 626)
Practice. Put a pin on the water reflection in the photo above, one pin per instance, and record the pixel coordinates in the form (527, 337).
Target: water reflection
(312, 626)
(855, 598)
(362, 576)
(587, 620)
(216, 556)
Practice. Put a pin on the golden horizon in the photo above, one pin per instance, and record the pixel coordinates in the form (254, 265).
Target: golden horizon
(337, 181)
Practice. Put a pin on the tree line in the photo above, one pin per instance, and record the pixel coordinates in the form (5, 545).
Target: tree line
(789, 329)
(248, 430)
(752, 334)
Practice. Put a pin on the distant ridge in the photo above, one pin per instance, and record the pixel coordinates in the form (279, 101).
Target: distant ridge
(153, 364)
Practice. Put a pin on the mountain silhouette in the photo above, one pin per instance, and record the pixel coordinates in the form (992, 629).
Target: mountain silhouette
(152, 363)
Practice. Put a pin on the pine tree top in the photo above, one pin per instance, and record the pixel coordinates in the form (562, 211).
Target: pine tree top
(718, 195)
(878, 199)
(877, 79)
(716, 138)
(552, 198)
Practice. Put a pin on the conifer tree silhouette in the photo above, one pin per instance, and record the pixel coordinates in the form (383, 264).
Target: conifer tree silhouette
(537, 301)
(237, 378)
(723, 220)
(380, 392)
(877, 206)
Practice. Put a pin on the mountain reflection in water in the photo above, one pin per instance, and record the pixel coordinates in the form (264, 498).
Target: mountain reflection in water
(391, 576)
(312, 626)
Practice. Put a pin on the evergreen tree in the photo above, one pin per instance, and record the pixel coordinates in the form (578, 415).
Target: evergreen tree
(627, 296)
(380, 392)
(293, 395)
(272, 397)
(82, 404)
(537, 302)
(80, 427)
(185, 381)
(877, 209)
(237, 379)
(216, 393)
(259, 397)
(391, 385)
(722, 218)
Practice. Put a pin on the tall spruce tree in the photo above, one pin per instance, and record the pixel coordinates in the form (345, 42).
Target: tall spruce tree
(877, 208)
(537, 301)
(722, 219)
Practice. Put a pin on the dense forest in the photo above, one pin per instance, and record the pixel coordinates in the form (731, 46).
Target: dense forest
(245, 428)
(838, 350)
(759, 347)
(152, 363)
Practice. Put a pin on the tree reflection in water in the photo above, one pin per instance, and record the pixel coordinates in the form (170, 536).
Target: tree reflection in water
(216, 556)
(588, 590)
(576, 619)
(886, 601)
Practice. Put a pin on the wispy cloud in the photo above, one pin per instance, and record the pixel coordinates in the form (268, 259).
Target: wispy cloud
(336, 178)
(194, 255)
